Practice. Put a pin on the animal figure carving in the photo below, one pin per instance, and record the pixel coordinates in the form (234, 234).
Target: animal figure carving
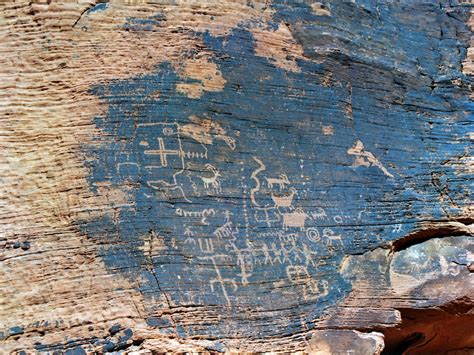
(213, 180)
(332, 238)
(294, 219)
(281, 181)
(319, 214)
(284, 200)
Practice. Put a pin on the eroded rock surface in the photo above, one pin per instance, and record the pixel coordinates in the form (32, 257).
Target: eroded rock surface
(236, 176)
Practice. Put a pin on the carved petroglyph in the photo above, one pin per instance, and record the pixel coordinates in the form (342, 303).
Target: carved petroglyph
(245, 210)
(313, 234)
(288, 238)
(397, 228)
(319, 214)
(169, 144)
(196, 155)
(271, 213)
(288, 251)
(212, 181)
(127, 169)
(203, 214)
(219, 279)
(169, 191)
(359, 215)
(299, 275)
(227, 215)
(243, 261)
(206, 245)
(280, 182)
(189, 234)
(257, 171)
(292, 241)
(295, 219)
(267, 215)
(332, 238)
(163, 150)
(226, 231)
(205, 130)
(273, 233)
(284, 200)
(166, 157)
(366, 158)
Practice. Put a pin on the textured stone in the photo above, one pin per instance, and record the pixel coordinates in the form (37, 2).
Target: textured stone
(235, 176)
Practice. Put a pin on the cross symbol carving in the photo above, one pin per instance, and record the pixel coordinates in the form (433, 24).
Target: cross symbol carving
(162, 152)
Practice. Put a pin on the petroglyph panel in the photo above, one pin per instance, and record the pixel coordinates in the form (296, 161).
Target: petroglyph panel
(218, 171)
(261, 212)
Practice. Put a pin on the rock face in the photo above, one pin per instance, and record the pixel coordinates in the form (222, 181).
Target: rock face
(218, 176)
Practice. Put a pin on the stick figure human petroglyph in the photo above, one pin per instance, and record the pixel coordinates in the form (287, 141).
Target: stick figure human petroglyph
(219, 279)
(397, 228)
(188, 232)
(213, 180)
(243, 260)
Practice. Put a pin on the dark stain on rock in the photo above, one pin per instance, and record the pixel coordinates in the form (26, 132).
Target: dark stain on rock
(244, 202)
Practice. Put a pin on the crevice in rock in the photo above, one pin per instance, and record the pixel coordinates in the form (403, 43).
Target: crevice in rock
(87, 9)
(429, 331)
(430, 231)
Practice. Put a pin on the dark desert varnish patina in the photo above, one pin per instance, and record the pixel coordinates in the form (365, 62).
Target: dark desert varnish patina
(282, 175)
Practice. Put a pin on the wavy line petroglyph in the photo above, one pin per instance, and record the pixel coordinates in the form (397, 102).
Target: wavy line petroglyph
(257, 171)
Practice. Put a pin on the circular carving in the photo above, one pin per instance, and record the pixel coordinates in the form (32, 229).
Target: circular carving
(167, 131)
(313, 234)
